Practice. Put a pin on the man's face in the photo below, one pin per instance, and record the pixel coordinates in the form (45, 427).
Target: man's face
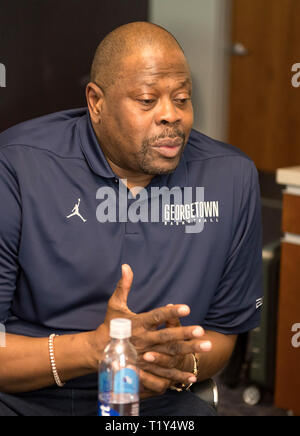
(147, 114)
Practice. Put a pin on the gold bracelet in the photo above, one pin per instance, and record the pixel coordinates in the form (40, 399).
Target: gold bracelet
(186, 387)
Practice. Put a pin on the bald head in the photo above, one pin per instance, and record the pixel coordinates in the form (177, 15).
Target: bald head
(123, 42)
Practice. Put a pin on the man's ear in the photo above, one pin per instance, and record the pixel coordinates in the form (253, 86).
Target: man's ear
(94, 98)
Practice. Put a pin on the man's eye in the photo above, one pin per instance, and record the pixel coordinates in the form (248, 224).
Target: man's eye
(147, 102)
(182, 101)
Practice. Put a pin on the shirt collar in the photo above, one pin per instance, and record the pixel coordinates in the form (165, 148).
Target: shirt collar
(91, 148)
(99, 165)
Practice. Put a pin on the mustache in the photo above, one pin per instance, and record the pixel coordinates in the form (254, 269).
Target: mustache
(174, 133)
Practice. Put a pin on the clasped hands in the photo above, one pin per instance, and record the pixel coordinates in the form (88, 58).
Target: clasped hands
(165, 356)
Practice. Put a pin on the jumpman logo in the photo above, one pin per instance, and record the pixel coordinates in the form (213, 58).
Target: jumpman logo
(75, 211)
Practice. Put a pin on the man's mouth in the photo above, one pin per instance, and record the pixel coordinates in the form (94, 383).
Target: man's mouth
(168, 147)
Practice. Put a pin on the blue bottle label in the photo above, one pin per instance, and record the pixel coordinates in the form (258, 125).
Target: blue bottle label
(126, 382)
(111, 393)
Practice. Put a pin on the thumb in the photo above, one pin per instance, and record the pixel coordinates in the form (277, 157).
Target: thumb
(123, 287)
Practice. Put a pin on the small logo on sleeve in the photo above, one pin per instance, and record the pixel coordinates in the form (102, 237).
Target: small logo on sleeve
(259, 302)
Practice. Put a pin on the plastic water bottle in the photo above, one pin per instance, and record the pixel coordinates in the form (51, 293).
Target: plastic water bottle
(118, 373)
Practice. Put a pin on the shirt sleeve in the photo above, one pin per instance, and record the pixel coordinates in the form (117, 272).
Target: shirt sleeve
(236, 307)
(10, 229)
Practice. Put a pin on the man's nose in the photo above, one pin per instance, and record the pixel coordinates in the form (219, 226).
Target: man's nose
(167, 112)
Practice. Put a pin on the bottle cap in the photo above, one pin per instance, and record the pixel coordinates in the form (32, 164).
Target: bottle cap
(120, 328)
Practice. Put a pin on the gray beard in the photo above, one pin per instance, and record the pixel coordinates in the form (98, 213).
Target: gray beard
(147, 167)
(145, 161)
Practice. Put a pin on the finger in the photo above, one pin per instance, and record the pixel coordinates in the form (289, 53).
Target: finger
(154, 383)
(181, 347)
(164, 360)
(174, 322)
(158, 317)
(173, 334)
(173, 374)
(124, 285)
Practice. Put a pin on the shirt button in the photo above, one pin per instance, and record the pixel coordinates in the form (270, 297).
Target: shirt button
(116, 181)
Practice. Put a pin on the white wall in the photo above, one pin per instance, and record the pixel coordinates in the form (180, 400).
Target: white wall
(202, 27)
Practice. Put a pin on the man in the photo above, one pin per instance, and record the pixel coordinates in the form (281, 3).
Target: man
(58, 273)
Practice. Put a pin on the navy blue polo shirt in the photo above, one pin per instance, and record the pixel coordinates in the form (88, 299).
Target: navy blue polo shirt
(60, 261)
